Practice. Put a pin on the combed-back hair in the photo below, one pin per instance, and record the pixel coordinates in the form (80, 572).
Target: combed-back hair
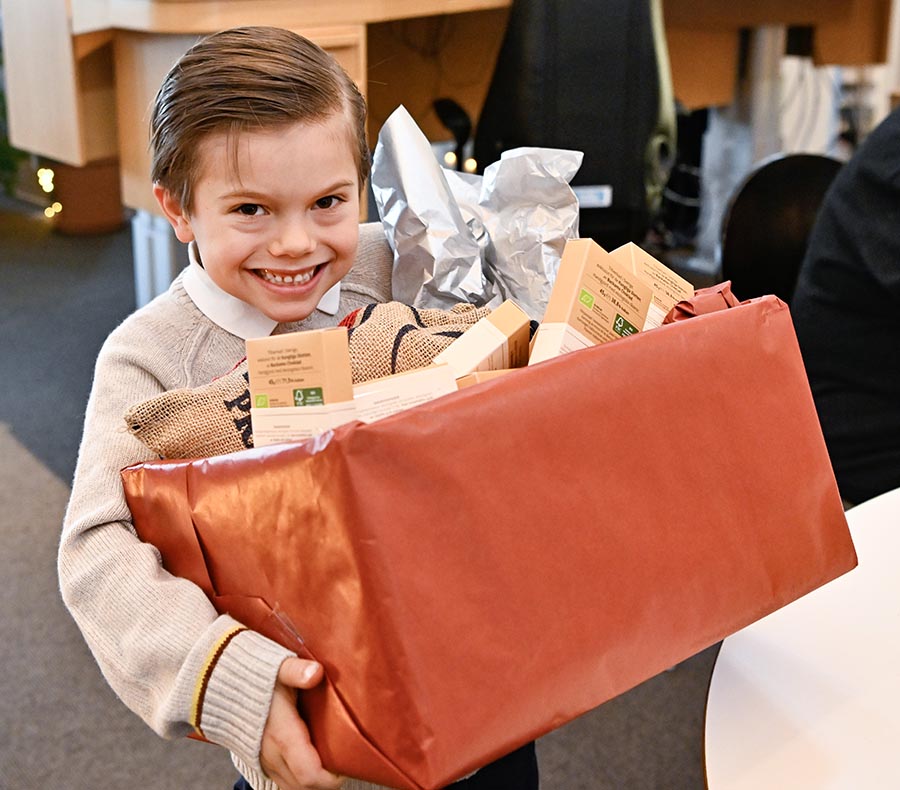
(246, 79)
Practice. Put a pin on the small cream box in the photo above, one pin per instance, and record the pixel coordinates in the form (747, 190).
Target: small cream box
(595, 299)
(310, 368)
(497, 341)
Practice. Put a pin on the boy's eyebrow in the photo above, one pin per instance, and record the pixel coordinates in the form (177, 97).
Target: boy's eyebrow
(255, 195)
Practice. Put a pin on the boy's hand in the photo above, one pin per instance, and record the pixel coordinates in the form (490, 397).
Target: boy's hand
(287, 754)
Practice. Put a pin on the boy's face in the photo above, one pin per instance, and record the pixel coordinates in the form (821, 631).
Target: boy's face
(283, 229)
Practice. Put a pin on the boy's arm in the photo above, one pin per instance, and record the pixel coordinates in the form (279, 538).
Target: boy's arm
(158, 640)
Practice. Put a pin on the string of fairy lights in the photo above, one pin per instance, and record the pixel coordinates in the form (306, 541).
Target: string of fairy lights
(450, 161)
(45, 181)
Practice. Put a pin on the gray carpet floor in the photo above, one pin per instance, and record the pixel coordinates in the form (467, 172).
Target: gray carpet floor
(64, 728)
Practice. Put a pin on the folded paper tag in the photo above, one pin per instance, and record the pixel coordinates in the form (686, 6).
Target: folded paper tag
(705, 300)
(279, 424)
(381, 398)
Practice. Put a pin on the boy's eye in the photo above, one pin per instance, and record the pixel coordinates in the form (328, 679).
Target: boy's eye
(249, 209)
(328, 202)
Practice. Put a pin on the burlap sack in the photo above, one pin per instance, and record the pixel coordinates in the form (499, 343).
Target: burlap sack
(196, 422)
(214, 419)
(394, 337)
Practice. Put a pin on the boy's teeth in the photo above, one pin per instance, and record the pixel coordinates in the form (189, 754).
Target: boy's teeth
(299, 279)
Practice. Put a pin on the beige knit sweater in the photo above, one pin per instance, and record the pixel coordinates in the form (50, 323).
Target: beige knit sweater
(152, 634)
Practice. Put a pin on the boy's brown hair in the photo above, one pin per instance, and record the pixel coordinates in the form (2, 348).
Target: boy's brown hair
(246, 79)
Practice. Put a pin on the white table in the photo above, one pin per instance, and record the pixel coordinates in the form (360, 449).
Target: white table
(809, 697)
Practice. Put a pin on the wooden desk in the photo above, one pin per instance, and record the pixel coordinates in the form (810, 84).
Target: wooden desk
(703, 38)
(81, 74)
(806, 698)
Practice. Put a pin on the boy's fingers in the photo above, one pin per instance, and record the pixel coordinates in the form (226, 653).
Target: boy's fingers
(300, 673)
(286, 754)
(288, 777)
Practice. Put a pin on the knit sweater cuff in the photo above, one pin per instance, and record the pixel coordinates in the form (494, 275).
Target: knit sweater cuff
(234, 695)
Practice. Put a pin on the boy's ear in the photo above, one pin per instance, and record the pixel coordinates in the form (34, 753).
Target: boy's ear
(177, 216)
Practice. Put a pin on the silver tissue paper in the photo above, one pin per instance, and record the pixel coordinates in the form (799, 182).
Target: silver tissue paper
(459, 237)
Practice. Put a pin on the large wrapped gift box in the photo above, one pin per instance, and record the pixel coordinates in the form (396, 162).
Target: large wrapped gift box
(476, 571)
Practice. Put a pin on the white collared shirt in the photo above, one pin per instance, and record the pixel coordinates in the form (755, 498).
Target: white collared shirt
(229, 312)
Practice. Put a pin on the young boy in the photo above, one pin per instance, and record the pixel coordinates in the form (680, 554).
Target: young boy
(259, 158)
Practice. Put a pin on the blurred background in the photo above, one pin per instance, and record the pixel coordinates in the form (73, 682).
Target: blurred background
(675, 105)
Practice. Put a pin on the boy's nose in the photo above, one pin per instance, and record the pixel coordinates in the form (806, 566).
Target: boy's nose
(292, 239)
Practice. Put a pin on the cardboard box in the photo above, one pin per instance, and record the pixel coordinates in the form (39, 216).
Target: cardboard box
(668, 287)
(499, 340)
(310, 368)
(300, 383)
(298, 423)
(595, 299)
(480, 376)
(372, 400)
(455, 551)
(385, 396)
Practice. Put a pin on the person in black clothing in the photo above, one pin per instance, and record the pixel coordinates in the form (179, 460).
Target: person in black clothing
(846, 310)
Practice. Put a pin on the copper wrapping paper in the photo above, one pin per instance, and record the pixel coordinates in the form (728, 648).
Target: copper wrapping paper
(479, 570)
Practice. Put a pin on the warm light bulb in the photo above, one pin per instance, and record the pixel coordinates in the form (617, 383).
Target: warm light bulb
(45, 179)
(57, 207)
(49, 212)
(470, 165)
(450, 159)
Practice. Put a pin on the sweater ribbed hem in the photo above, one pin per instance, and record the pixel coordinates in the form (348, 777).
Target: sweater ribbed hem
(203, 681)
(239, 693)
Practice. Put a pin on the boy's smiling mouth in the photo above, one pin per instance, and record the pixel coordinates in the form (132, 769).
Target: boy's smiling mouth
(287, 278)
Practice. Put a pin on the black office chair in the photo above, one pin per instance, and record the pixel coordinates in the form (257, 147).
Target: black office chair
(592, 77)
(767, 222)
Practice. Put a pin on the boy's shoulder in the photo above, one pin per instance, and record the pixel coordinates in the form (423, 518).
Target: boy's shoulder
(171, 339)
(171, 312)
(371, 272)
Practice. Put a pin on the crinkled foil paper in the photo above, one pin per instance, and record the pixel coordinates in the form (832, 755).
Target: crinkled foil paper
(459, 237)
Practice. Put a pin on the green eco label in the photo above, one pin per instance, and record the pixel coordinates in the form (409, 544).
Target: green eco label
(623, 327)
(586, 298)
(308, 396)
(261, 402)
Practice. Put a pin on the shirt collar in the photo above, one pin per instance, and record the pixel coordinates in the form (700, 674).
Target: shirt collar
(229, 312)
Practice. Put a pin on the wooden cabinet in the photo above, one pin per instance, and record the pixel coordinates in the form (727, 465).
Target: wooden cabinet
(59, 86)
